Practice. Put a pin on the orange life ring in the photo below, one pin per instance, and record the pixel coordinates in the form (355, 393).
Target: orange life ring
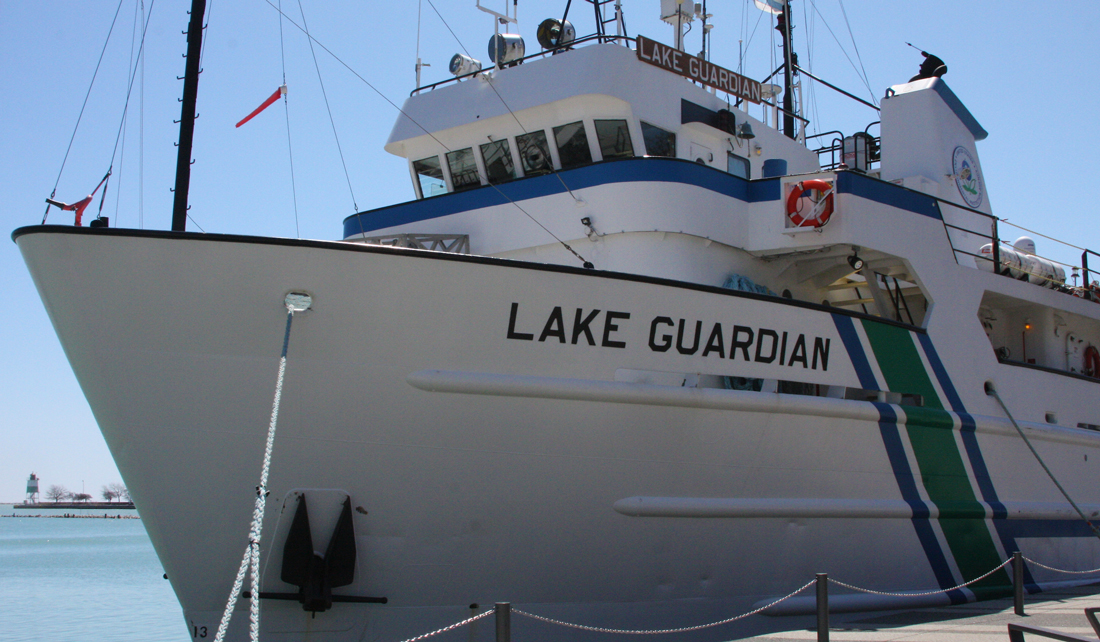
(1092, 361)
(793, 209)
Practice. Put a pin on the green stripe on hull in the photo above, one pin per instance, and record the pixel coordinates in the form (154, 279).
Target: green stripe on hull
(900, 364)
(931, 431)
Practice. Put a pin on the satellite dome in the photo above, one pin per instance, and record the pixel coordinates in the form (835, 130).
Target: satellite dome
(1025, 244)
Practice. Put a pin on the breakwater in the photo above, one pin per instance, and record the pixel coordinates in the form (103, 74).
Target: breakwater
(75, 506)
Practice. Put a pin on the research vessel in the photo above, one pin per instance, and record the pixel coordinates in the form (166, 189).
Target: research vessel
(632, 358)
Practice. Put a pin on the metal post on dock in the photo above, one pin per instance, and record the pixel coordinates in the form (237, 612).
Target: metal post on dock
(504, 621)
(822, 607)
(1018, 582)
(996, 248)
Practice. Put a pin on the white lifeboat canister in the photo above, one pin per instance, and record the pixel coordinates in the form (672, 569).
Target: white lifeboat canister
(1010, 260)
(1020, 263)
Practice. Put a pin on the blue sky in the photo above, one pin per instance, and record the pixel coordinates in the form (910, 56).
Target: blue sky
(1020, 67)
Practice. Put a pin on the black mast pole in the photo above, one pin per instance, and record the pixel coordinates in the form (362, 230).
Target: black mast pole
(187, 116)
(784, 28)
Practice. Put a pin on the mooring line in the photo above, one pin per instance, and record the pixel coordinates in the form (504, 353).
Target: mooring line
(991, 391)
(295, 302)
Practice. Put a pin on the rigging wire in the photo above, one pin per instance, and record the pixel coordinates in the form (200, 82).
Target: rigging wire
(355, 73)
(81, 114)
(489, 82)
(141, 132)
(206, 17)
(305, 29)
(772, 48)
(501, 98)
(381, 95)
(286, 109)
(122, 158)
(126, 107)
(811, 87)
(845, 52)
(855, 46)
(130, 86)
(444, 21)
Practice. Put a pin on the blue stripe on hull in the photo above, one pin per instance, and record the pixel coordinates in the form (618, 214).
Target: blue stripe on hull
(895, 451)
(1006, 532)
(847, 330)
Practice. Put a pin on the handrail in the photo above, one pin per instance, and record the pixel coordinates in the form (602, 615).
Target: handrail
(544, 52)
(835, 131)
(566, 47)
(1085, 265)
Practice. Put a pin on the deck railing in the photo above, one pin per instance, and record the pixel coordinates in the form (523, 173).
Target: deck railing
(964, 223)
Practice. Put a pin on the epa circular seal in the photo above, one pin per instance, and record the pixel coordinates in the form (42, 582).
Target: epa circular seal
(967, 178)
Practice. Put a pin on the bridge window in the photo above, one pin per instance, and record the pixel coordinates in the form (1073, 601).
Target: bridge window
(658, 142)
(572, 145)
(498, 161)
(737, 165)
(429, 175)
(534, 153)
(463, 169)
(614, 137)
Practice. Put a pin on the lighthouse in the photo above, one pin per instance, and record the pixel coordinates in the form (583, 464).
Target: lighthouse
(32, 490)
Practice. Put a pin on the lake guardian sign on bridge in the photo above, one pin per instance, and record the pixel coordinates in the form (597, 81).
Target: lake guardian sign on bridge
(697, 69)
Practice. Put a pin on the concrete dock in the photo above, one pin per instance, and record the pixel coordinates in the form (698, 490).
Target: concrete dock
(1062, 610)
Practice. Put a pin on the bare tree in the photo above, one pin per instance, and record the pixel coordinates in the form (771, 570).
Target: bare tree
(81, 497)
(120, 491)
(57, 493)
(108, 494)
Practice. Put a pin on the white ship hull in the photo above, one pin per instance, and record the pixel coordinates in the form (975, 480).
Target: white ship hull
(496, 452)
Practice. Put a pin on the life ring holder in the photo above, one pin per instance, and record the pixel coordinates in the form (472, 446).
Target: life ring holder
(794, 212)
(1092, 362)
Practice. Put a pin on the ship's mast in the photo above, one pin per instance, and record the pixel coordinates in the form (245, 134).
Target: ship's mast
(784, 27)
(187, 115)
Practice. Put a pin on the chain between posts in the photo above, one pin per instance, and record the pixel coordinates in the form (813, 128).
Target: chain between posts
(663, 631)
(452, 627)
(685, 629)
(1060, 570)
(947, 590)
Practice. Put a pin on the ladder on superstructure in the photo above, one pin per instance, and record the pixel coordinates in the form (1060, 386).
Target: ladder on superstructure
(601, 22)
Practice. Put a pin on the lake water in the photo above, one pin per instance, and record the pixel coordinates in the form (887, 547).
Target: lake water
(71, 580)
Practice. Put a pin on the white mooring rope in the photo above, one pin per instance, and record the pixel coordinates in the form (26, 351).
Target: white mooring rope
(991, 391)
(251, 560)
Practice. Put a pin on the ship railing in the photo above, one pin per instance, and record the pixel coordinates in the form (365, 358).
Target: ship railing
(598, 38)
(625, 41)
(453, 243)
(502, 611)
(960, 221)
(831, 156)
